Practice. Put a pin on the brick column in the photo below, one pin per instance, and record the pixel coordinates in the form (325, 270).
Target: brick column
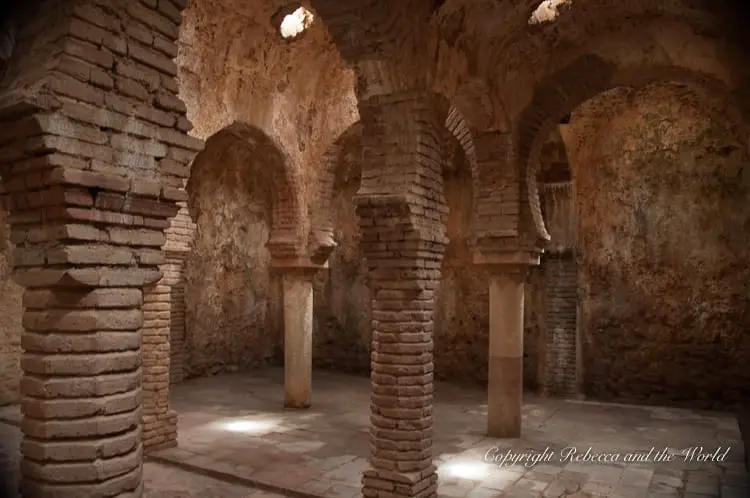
(504, 243)
(81, 386)
(402, 211)
(159, 422)
(86, 245)
(298, 330)
(561, 376)
(174, 278)
(177, 248)
(93, 147)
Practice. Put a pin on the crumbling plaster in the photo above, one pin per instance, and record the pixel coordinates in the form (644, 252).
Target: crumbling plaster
(632, 36)
(234, 67)
(662, 197)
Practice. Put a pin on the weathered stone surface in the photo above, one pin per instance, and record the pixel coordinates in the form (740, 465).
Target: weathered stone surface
(10, 322)
(663, 278)
(95, 160)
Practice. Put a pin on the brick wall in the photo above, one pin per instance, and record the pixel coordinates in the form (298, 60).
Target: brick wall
(561, 328)
(560, 358)
(173, 277)
(179, 238)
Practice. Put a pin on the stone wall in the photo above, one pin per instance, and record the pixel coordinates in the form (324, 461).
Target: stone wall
(10, 321)
(662, 187)
(232, 298)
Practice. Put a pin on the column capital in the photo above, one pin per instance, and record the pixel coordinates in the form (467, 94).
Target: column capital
(516, 262)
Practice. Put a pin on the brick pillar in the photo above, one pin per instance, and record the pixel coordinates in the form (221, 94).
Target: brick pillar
(561, 372)
(174, 278)
(86, 245)
(177, 248)
(94, 149)
(505, 372)
(159, 422)
(298, 330)
(402, 211)
(81, 385)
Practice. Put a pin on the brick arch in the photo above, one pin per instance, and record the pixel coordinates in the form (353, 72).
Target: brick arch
(321, 215)
(460, 130)
(273, 169)
(560, 93)
(321, 230)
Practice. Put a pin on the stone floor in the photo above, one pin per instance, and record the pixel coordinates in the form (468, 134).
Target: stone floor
(235, 424)
(234, 427)
(161, 481)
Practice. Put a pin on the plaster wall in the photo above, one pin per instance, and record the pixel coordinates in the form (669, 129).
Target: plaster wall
(663, 186)
(10, 321)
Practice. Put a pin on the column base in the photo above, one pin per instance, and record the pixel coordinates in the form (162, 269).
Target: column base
(505, 397)
(503, 432)
(377, 483)
(297, 405)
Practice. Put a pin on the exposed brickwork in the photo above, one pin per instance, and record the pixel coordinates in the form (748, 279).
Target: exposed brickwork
(322, 215)
(402, 211)
(385, 40)
(561, 373)
(93, 153)
(561, 376)
(557, 96)
(180, 232)
(277, 175)
(173, 277)
(498, 195)
(179, 239)
(343, 300)
(458, 128)
(159, 422)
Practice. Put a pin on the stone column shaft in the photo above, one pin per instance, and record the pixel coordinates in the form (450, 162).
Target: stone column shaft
(298, 330)
(505, 379)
